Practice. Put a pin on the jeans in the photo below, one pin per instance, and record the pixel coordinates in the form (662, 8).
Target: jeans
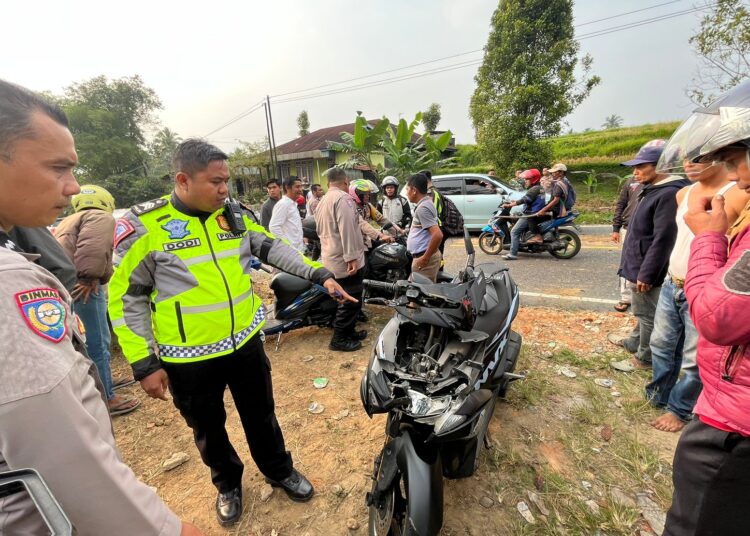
(644, 308)
(516, 233)
(93, 314)
(673, 346)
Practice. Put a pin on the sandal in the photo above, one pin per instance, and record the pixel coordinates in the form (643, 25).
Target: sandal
(122, 382)
(621, 307)
(124, 407)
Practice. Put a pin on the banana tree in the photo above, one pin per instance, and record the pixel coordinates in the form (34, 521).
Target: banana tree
(363, 142)
(406, 156)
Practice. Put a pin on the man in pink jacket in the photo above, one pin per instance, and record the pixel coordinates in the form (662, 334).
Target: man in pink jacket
(711, 470)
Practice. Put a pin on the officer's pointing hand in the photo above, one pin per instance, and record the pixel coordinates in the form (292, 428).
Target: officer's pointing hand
(155, 384)
(336, 292)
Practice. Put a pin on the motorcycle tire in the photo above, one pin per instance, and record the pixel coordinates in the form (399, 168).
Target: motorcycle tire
(392, 519)
(573, 247)
(491, 243)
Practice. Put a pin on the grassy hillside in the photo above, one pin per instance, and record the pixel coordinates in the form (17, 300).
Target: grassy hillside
(611, 144)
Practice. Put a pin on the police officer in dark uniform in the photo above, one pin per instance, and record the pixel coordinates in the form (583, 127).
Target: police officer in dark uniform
(183, 308)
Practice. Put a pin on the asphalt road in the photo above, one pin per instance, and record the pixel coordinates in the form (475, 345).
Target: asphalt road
(587, 281)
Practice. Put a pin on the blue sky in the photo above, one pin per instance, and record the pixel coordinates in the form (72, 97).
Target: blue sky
(211, 61)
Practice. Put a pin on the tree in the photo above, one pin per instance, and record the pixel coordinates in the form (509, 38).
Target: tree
(612, 121)
(406, 156)
(527, 82)
(303, 122)
(161, 151)
(366, 140)
(431, 117)
(723, 47)
(108, 119)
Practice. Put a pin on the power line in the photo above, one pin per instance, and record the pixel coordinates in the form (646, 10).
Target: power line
(628, 13)
(442, 69)
(628, 26)
(448, 68)
(455, 55)
(237, 118)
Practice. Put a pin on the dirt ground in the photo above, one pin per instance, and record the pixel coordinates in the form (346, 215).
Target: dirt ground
(584, 450)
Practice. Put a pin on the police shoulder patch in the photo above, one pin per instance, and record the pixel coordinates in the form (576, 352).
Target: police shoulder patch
(148, 206)
(44, 312)
(737, 278)
(123, 229)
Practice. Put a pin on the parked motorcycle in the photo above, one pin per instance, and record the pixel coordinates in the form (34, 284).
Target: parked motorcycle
(560, 240)
(437, 369)
(301, 303)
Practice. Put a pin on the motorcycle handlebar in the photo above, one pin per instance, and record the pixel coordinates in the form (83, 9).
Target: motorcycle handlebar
(388, 287)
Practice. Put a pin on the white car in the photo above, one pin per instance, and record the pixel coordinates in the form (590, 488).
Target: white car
(473, 198)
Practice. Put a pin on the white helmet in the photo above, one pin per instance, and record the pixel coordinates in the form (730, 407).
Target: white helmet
(390, 180)
(723, 123)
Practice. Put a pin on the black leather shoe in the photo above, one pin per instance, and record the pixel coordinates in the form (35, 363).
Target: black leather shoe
(344, 345)
(229, 506)
(362, 316)
(295, 485)
(358, 335)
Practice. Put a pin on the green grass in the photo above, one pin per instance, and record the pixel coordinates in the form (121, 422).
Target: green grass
(608, 143)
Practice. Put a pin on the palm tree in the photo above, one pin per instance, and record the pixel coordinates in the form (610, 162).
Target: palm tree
(612, 121)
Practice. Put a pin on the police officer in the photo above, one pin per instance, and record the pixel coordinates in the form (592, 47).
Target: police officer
(183, 307)
(52, 416)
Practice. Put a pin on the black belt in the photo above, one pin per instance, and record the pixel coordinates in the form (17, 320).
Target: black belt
(417, 255)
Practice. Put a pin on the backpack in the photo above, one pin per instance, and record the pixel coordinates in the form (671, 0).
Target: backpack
(453, 220)
(570, 194)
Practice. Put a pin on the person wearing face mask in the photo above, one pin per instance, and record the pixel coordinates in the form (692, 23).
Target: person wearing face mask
(184, 311)
(711, 469)
(675, 384)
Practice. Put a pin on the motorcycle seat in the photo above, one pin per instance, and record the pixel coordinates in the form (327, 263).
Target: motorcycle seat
(286, 287)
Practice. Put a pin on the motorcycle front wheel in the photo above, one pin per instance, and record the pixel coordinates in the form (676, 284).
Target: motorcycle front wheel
(573, 245)
(391, 518)
(490, 243)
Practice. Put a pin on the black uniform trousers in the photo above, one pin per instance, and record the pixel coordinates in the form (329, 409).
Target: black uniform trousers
(711, 475)
(346, 314)
(198, 392)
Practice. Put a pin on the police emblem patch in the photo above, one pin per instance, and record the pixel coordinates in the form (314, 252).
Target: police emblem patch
(223, 223)
(123, 228)
(44, 312)
(177, 229)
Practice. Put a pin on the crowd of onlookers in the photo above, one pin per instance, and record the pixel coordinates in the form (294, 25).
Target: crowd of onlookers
(683, 220)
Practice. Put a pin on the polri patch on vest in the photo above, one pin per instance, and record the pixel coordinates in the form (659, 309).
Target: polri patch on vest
(43, 311)
(222, 222)
(123, 229)
(182, 244)
(177, 229)
(229, 236)
(737, 278)
(148, 206)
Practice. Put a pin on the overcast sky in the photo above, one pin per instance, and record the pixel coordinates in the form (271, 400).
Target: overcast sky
(211, 61)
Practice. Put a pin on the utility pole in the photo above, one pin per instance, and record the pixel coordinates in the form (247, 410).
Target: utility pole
(273, 137)
(271, 148)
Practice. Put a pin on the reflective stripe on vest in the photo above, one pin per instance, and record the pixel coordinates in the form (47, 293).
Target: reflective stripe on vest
(202, 303)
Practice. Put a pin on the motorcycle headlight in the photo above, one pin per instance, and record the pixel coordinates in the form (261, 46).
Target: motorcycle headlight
(425, 406)
(448, 421)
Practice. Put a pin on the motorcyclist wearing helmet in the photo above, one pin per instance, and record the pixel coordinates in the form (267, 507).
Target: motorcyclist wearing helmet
(533, 201)
(711, 470)
(362, 191)
(395, 207)
(87, 236)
